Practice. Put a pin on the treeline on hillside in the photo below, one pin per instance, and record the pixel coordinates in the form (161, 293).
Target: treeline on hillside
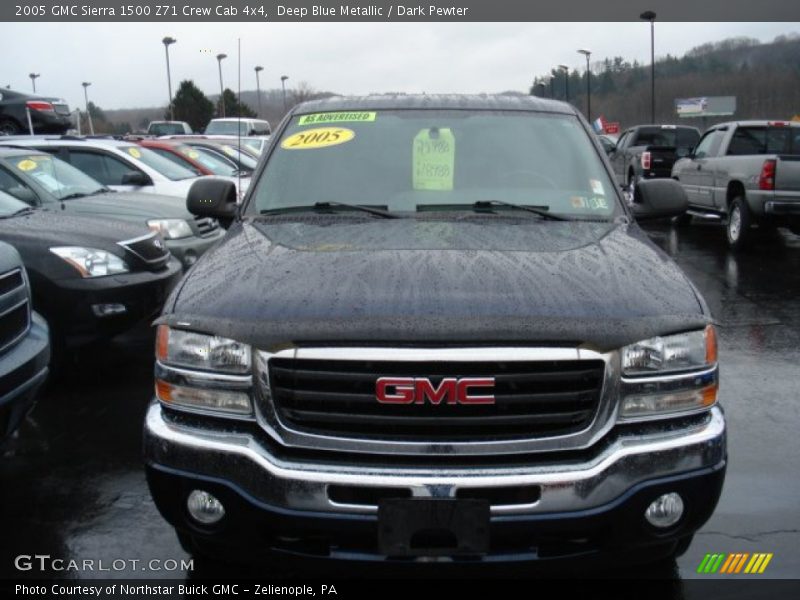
(765, 78)
(193, 106)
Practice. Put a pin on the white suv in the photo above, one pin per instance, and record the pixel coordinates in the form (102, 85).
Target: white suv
(119, 165)
(246, 127)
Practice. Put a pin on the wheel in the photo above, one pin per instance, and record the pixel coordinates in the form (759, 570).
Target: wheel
(9, 127)
(631, 187)
(737, 227)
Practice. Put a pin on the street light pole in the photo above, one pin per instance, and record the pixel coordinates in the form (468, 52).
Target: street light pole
(649, 15)
(283, 85)
(258, 88)
(565, 68)
(167, 41)
(220, 57)
(587, 54)
(86, 85)
(33, 77)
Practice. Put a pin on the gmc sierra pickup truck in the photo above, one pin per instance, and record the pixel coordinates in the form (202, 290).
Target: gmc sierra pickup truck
(435, 332)
(745, 172)
(649, 151)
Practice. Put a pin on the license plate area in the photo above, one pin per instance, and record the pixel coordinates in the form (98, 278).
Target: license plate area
(433, 527)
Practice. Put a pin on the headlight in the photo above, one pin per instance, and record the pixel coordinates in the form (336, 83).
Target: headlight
(170, 229)
(200, 351)
(91, 262)
(668, 376)
(215, 400)
(680, 352)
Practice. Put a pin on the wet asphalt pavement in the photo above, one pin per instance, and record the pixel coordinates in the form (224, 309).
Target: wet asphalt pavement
(73, 484)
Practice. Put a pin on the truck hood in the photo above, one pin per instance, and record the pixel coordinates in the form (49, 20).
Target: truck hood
(448, 281)
(134, 206)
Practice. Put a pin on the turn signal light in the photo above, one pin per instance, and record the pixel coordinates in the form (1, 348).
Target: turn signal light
(711, 345)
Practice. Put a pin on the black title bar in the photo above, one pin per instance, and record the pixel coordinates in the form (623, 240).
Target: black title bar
(255, 11)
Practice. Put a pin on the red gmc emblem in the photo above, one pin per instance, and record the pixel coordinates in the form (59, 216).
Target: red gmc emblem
(419, 390)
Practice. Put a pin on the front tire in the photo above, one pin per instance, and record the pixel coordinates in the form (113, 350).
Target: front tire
(631, 187)
(737, 226)
(9, 127)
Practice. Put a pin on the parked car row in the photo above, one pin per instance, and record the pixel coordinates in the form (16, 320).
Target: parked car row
(99, 235)
(255, 133)
(746, 173)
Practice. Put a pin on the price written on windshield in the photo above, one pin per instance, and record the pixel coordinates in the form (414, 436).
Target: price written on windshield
(433, 159)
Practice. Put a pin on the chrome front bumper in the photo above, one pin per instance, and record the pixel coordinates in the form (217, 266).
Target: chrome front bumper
(240, 460)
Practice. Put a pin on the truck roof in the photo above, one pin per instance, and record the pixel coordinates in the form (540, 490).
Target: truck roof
(757, 123)
(434, 101)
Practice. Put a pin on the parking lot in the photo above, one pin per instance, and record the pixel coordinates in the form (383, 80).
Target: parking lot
(74, 485)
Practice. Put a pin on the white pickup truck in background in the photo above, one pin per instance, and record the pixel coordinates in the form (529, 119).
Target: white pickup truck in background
(746, 172)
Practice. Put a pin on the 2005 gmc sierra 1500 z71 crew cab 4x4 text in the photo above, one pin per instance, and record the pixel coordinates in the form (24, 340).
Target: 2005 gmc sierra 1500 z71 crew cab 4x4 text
(435, 332)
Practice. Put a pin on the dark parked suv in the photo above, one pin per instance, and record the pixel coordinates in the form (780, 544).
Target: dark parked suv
(24, 343)
(435, 331)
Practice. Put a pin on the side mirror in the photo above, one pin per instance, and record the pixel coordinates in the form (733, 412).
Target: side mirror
(136, 178)
(659, 199)
(213, 197)
(683, 153)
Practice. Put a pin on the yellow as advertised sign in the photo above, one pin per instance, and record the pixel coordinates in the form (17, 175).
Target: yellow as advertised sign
(320, 137)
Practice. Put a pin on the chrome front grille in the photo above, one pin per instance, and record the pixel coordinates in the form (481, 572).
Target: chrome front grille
(544, 399)
(531, 398)
(15, 308)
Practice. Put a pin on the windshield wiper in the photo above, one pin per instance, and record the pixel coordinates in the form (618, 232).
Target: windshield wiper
(322, 206)
(71, 196)
(542, 211)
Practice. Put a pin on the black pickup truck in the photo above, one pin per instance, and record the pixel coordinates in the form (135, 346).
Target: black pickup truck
(649, 151)
(434, 331)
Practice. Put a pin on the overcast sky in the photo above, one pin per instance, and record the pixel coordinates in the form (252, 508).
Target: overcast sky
(126, 64)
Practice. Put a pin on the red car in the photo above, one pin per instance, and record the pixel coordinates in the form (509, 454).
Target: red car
(200, 160)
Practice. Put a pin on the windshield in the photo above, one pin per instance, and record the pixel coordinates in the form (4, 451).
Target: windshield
(243, 158)
(167, 129)
(676, 137)
(57, 177)
(211, 161)
(166, 167)
(413, 160)
(255, 144)
(10, 205)
(227, 128)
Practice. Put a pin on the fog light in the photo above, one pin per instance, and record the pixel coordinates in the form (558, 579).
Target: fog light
(189, 258)
(665, 511)
(204, 508)
(108, 310)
